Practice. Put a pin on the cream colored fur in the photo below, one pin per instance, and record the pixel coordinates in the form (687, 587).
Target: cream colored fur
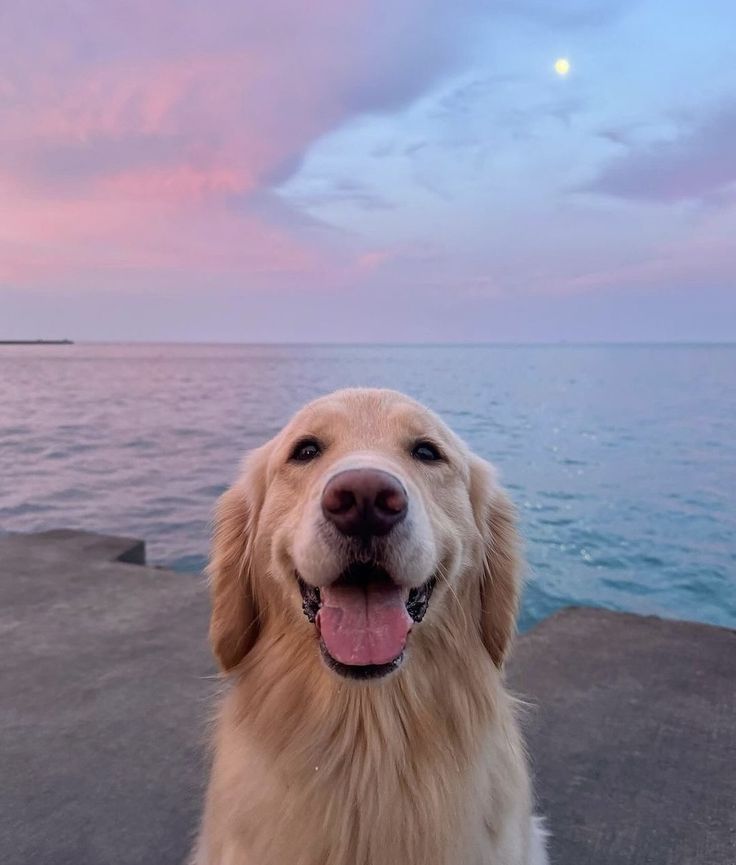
(423, 767)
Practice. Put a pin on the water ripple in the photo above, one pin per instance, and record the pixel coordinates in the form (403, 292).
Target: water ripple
(625, 493)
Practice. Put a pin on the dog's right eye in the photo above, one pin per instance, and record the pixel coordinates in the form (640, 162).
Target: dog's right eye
(305, 450)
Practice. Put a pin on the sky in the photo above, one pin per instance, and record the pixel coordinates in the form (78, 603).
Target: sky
(368, 170)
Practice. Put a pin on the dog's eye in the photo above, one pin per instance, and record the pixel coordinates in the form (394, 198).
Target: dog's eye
(426, 452)
(305, 450)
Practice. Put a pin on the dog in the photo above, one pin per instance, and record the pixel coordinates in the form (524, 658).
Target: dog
(365, 577)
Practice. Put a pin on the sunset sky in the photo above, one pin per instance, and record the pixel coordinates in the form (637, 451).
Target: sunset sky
(340, 170)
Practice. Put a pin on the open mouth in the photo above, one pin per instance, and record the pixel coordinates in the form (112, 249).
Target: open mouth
(363, 619)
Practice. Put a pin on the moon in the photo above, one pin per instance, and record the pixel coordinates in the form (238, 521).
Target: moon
(562, 66)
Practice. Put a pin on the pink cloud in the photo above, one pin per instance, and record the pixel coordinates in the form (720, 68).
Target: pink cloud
(179, 183)
(373, 259)
(138, 224)
(706, 259)
(131, 130)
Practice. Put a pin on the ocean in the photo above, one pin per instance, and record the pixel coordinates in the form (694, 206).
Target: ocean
(621, 458)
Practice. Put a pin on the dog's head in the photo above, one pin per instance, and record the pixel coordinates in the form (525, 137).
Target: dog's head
(363, 520)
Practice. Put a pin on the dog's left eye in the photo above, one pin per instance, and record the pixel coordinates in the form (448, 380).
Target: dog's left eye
(426, 452)
(305, 450)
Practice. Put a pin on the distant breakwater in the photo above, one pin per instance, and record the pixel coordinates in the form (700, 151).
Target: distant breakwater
(36, 342)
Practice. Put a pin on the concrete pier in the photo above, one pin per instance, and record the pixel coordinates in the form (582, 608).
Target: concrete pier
(106, 684)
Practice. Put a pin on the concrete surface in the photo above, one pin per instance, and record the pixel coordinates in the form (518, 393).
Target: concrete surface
(632, 736)
(103, 696)
(106, 684)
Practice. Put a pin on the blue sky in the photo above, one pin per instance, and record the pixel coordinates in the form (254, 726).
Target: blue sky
(368, 171)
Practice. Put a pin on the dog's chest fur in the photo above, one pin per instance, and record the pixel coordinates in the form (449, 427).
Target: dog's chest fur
(427, 772)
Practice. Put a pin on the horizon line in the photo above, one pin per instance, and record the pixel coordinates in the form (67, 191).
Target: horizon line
(394, 343)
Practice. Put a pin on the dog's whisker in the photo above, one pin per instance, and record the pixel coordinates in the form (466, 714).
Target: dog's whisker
(441, 572)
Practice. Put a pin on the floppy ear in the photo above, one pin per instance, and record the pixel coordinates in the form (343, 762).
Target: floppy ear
(502, 562)
(234, 620)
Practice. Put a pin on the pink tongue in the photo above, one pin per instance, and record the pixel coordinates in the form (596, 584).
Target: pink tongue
(363, 626)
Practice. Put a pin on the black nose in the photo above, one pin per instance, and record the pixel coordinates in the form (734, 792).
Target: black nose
(364, 502)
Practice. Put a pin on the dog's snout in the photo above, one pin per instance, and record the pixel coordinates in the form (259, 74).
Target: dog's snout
(364, 502)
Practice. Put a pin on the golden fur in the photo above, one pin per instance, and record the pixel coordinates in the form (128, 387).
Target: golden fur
(423, 767)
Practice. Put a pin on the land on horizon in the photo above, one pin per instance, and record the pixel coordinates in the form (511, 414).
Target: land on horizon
(36, 342)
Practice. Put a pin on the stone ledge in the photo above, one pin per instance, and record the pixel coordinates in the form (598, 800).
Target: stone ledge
(106, 684)
(72, 542)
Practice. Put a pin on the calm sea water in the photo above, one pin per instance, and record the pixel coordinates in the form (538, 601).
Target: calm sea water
(621, 459)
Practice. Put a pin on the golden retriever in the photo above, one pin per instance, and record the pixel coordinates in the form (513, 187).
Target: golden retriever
(365, 581)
